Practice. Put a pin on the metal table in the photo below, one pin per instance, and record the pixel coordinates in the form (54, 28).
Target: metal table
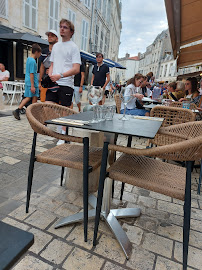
(132, 127)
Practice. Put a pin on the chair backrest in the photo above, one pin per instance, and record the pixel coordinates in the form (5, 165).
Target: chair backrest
(189, 149)
(38, 113)
(172, 115)
(118, 103)
(8, 87)
(180, 104)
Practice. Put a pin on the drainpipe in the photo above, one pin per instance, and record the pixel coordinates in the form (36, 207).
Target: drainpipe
(91, 22)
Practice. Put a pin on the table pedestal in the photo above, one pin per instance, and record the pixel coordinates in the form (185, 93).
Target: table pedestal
(109, 216)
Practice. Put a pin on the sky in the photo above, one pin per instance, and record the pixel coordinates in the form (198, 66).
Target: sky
(142, 21)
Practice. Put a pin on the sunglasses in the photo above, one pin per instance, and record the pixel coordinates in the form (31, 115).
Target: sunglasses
(99, 56)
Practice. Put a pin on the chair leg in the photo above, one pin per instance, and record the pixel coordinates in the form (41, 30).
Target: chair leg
(85, 184)
(62, 174)
(100, 190)
(115, 141)
(199, 182)
(31, 170)
(187, 213)
(112, 189)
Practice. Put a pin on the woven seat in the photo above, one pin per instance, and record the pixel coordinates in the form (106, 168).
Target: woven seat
(136, 167)
(78, 156)
(71, 156)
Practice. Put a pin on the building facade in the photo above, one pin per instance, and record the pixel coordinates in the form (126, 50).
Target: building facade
(158, 59)
(132, 66)
(97, 25)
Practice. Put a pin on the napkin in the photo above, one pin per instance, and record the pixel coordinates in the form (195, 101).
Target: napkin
(71, 121)
(148, 118)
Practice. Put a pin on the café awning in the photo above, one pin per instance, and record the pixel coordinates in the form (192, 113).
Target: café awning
(117, 65)
(185, 24)
(26, 38)
(92, 59)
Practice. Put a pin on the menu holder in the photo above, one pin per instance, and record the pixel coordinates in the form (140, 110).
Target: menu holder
(148, 118)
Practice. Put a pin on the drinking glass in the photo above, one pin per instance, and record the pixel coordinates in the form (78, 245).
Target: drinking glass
(95, 95)
(125, 96)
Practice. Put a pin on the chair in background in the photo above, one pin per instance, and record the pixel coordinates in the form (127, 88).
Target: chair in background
(81, 157)
(180, 104)
(12, 90)
(138, 168)
(118, 103)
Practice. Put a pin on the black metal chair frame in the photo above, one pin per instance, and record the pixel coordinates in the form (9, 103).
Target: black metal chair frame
(187, 203)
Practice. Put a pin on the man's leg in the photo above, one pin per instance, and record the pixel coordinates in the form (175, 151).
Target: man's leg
(16, 113)
(34, 99)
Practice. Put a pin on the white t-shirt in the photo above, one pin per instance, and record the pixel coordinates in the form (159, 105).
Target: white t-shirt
(63, 56)
(4, 74)
(134, 90)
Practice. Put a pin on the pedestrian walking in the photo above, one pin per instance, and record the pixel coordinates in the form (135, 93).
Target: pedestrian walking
(31, 80)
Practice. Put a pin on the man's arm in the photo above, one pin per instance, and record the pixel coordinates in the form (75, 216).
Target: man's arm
(32, 82)
(82, 82)
(108, 79)
(4, 79)
(92, 79)
(41, 72)
(50, 72)
(73, 71)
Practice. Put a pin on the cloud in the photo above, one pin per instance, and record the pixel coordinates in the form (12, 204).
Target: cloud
(142, 21)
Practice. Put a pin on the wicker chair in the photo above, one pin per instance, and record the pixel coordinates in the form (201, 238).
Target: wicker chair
(136, 167)
(172, 116)
(179, 105)
(118, 103)
(75, 156)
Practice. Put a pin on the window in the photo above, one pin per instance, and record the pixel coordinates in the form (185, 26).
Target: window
(106, 46)
(96, 37)
(87, 3)
(171, 69)
(99, 4)
(30, 14)
(165, 71)
(54, 6)
(101, 41)
(4, 9)
(72, 18)
(84, 35)
(104, 8)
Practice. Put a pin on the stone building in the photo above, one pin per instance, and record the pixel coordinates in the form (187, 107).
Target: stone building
(158, 58)
(97, 26)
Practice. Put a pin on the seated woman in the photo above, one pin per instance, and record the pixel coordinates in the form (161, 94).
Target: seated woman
(191, 91)
(134, 87)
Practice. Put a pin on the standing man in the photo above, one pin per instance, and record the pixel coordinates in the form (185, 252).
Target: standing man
(78, 86)
(65, 63)
(4, 74)
(45, 60)
(101, 75)
(31, 80)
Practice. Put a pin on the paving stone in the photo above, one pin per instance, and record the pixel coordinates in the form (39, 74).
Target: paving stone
(159, 196)
(20, 212)
(141, 259)
(40, 219)
(196, 214)
(141, 191)
(172, 207)
(62, 231)
(80, 259)
(50, 204)
(171, 231)
(67, 209)
(133, 205)
(176, 219)
(194, 255)
(16, 223)
(134, 233)
(9, 206)
(196, 225)
(146, 201)
(157, 213)
(111, 266)
(148, 223)
(56, 251)
(165, 264)
(54, 191)
(195, 239)
(109, 248)
(32, 263)
(40, 240)
(158, 244)
(10, 160)
(130, 197)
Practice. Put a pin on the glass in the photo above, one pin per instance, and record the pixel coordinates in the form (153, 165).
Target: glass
(95, 95)
(125, 96)
(109, 113)
(186, 104)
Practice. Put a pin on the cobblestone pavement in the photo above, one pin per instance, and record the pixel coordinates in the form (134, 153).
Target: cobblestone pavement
(156, 235)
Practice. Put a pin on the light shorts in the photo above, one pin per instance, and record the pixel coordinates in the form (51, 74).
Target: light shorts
(76, 95)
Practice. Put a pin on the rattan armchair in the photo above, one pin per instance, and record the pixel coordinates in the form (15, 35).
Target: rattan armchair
(118, 103)
(180, 104)
(136, 167)
(81, 157)
(172, 116)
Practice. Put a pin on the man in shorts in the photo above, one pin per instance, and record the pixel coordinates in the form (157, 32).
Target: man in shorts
(78, 86)
(101, 76)
(31, 80)
(65, 63)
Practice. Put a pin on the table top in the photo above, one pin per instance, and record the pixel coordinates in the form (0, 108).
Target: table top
(134, 127)
(14, 242)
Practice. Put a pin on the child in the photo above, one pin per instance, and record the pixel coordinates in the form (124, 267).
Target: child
(31, 80)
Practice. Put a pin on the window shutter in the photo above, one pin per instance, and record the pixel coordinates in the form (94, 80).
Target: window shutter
(3, 8)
